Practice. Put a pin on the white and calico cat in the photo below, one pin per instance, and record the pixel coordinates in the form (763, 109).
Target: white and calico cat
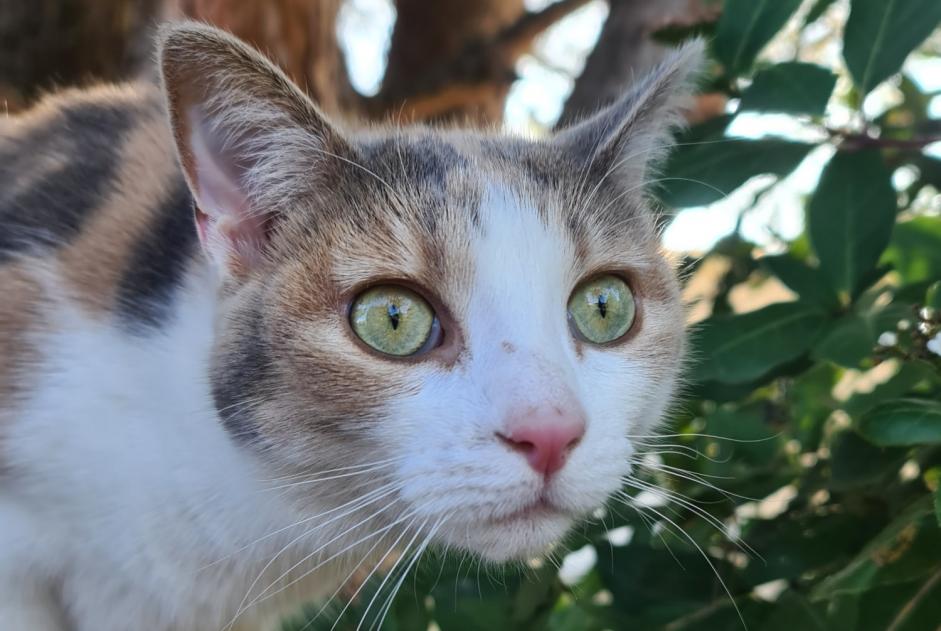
(371, 341)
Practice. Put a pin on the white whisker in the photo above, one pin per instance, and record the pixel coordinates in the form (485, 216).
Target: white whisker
(299, 522)
(372, 572)
(707, 559)
(391, 598)
(386, 577)
(242, 606)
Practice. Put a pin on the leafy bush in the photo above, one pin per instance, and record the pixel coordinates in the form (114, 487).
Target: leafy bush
(798, 486)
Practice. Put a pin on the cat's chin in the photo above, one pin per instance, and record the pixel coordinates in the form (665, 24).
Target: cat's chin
(520, 535)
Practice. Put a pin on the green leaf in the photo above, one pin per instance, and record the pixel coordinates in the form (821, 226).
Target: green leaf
(745, 27)
(793, 611)
(574, 617)
(735, 349)
(937, 503)
(850, 220)
(915, 249)
(920, 610)
(906, 549)
(802, 279)
(881, 33)
(800, 543)
(857, 463)
(847, 343)
(817, 10)
(749, 439)
(933, 296)
(908, 606)
(792, 88)
(703, 172)
(903, 422)
(909, 375)
(638, 578)
(851, 339)
(535, 595)
(810, 399)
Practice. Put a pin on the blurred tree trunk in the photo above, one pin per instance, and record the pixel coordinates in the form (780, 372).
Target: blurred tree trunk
(454, 60)
(626, 50)
(50, 43)
(299, 35)
(433, 45)
(449, 60)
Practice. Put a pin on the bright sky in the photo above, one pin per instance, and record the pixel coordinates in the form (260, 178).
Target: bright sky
(535, 102)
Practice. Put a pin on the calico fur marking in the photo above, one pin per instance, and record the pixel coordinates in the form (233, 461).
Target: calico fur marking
(73, 151)
(98, 193)
(102, 263)
(159, 261)
(20, 313)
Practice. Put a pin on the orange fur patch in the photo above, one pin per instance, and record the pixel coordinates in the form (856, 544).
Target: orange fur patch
(93, 264)
(20, 312)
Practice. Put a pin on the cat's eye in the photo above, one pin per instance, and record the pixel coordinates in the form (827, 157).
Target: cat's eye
(602, 309)
(394, 320)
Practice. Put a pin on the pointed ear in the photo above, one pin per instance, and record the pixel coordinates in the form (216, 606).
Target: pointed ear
(248, 139)
(625, 138)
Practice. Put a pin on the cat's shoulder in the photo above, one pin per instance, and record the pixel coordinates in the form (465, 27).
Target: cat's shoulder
(63, 162)
(93, 209)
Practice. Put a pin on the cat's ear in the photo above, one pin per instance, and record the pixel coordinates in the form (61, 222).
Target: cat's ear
(248, 139)
(625, 138)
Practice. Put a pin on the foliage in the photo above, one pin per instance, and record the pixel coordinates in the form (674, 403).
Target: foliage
(800, 486)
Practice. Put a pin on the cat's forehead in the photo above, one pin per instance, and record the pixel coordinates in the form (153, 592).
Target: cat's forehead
(432, 169)
(416, 159)
(452, 161)
(418, 205)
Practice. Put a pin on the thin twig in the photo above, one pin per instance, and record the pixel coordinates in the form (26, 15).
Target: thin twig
(900, 619)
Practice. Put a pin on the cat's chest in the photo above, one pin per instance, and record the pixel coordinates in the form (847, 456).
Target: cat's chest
(166, 515)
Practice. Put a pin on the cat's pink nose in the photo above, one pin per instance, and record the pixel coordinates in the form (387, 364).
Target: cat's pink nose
(545, 438)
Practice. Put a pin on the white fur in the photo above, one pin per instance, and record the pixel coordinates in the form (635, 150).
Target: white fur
(132, 506)
(454, 465)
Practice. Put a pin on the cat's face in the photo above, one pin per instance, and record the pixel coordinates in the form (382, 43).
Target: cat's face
(468, 329)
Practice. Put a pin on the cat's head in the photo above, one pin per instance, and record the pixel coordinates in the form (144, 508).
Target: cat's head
(464, 329)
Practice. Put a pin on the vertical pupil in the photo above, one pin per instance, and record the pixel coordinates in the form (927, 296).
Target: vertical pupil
(602, 305)
(394, 316)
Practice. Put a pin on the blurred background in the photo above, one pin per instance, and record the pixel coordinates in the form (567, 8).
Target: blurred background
(797, 482)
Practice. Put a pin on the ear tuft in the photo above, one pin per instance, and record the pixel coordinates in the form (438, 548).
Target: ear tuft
(634, 132)
(248, 139)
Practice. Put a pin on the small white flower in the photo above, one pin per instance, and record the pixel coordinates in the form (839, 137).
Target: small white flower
(904, 325)
(888, 338)
(934, 344)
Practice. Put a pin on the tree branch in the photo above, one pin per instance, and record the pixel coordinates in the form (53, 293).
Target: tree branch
(914, 602)
(626, 50)
(518, 38)
(856, 142)
(484, 68)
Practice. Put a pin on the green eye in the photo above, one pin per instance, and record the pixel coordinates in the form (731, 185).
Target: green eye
(602, 309)
(393, 320)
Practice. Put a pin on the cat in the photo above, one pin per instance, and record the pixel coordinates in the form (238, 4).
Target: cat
(246, 354)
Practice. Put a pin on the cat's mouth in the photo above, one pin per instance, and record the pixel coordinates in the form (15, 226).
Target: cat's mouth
(517, 534)
(540, 509)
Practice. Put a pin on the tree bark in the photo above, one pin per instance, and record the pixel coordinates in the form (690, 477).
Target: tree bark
(427, 39)
(449, 60)
(454, 60)
(299, 35)
(625, 50)
(49, 43)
